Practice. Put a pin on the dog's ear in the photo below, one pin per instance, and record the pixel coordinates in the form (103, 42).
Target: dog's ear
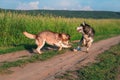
(84, 23)
(60, 35)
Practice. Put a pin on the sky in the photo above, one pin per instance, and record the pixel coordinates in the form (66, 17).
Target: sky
(87, 5)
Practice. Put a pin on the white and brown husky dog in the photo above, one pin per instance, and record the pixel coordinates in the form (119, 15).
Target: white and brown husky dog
(87, 35)
(51, 38)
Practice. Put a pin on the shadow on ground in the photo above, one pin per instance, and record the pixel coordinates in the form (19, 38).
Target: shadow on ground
(31, 48)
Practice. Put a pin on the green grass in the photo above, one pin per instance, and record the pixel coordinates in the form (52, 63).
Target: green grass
(13, 24)
(106, 67)
(11, 49)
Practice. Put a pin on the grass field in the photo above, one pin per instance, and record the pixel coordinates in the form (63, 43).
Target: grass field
(12, 25)
(106, 67)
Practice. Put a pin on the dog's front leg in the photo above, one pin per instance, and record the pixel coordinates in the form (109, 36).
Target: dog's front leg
(84, 42)
(59, 45)
(65, 46)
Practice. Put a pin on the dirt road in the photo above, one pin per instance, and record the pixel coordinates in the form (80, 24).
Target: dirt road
(47, 69)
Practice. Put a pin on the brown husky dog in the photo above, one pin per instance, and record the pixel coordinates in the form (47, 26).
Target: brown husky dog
(51, 38)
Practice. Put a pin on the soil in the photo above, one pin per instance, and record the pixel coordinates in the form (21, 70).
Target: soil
(46, 70)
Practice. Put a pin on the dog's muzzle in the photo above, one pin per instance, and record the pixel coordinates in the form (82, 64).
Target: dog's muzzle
(79, 29)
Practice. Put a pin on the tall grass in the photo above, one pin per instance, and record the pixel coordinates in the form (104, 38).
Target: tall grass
(13, 24)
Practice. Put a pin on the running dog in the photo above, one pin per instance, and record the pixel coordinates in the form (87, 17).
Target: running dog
(87, 35)
(51, 38)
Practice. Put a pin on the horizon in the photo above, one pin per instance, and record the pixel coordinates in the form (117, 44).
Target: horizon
(69, 5)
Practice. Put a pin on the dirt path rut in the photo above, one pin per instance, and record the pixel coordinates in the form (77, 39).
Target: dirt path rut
(47, 69)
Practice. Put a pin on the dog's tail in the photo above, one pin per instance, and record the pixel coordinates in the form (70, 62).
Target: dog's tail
(28, 35)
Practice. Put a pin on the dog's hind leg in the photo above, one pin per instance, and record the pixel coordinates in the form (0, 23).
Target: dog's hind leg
(60, 48)
(40, 43)
(88, 46)
(89, 43)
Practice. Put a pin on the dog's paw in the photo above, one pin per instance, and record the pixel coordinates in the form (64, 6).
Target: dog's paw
(87, 52)
(75, 50)
(38, 51)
